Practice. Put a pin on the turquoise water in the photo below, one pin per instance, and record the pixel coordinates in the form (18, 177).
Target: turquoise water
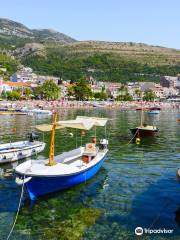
(137, 185)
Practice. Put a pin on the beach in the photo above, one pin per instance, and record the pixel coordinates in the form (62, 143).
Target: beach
(63, 104)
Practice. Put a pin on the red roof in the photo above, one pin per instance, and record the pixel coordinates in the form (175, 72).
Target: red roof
(18, 84)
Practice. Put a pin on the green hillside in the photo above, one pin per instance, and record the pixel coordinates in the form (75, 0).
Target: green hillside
(76, 60)
(8, 63)
(54, 53)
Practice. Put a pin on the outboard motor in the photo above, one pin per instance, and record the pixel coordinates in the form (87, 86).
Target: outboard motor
(33, 136)
(103, 143)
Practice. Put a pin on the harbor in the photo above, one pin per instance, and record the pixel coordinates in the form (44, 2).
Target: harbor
(89, 120)
(136, 186)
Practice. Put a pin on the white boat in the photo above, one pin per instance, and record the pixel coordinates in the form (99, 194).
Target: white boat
(10, 152)
(67, 169)
(37, 111)
(42, 112)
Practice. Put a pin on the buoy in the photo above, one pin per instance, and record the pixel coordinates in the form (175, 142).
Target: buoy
(83, 133)
(13, 130)
(138, 140)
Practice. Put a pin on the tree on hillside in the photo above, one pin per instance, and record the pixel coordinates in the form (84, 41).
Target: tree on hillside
(149, 96)
(80, 90)
(49, 90)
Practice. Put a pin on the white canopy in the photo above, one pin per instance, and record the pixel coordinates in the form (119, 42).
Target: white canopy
(96, 121)
(85, 124)
(81, 122)
(46, 127)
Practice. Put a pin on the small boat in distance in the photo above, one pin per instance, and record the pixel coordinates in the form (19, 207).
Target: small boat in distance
(10, 152)
(144, 130)
(142, 109)
(36, 111)
(154, 110)
(67, 169)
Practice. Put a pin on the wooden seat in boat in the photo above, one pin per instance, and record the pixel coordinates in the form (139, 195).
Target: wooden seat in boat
(68, 156)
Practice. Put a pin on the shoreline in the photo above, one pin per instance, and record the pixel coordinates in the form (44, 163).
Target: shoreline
(61, 104)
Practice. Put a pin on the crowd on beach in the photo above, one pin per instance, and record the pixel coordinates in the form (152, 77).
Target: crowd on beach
(60, 104)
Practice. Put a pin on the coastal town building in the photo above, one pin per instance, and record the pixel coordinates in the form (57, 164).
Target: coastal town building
(112, 89)
(41, 79)
(170, 81)
(6, 86)
(96, 88)
(169, 86)
(25, 74)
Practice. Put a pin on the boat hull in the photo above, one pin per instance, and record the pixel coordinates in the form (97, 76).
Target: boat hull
(143, 132)
(17, 153)
(39, 186)
(154, 112)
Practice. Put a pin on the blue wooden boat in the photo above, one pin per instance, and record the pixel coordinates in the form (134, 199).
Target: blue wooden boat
(154, 110)
(67, 169)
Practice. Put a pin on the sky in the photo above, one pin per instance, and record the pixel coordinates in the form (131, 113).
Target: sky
(155, 22)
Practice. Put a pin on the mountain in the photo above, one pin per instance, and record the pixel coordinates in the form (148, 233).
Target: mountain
(51, 35)
(12, 32)
(11, 28)
(54, 53)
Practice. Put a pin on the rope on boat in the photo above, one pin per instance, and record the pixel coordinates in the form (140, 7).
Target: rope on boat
(17, 213)
(133, 137)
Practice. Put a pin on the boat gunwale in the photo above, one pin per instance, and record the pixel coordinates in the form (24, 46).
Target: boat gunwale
(143, 129)
(22, 149)
(64, 175)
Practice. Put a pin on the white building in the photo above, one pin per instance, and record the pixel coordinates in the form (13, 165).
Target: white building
(41, 79)
(3, 86)
(10, 86)
(24, 75)
(170, 81)
(170, 92)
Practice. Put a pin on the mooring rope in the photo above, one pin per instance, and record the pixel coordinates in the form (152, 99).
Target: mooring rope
(133, 137)
(17, 213)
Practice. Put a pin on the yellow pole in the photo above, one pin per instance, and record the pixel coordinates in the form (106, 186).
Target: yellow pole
(141, 110)
(51, 153)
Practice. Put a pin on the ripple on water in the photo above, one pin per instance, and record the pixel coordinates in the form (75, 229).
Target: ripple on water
(137, 185)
